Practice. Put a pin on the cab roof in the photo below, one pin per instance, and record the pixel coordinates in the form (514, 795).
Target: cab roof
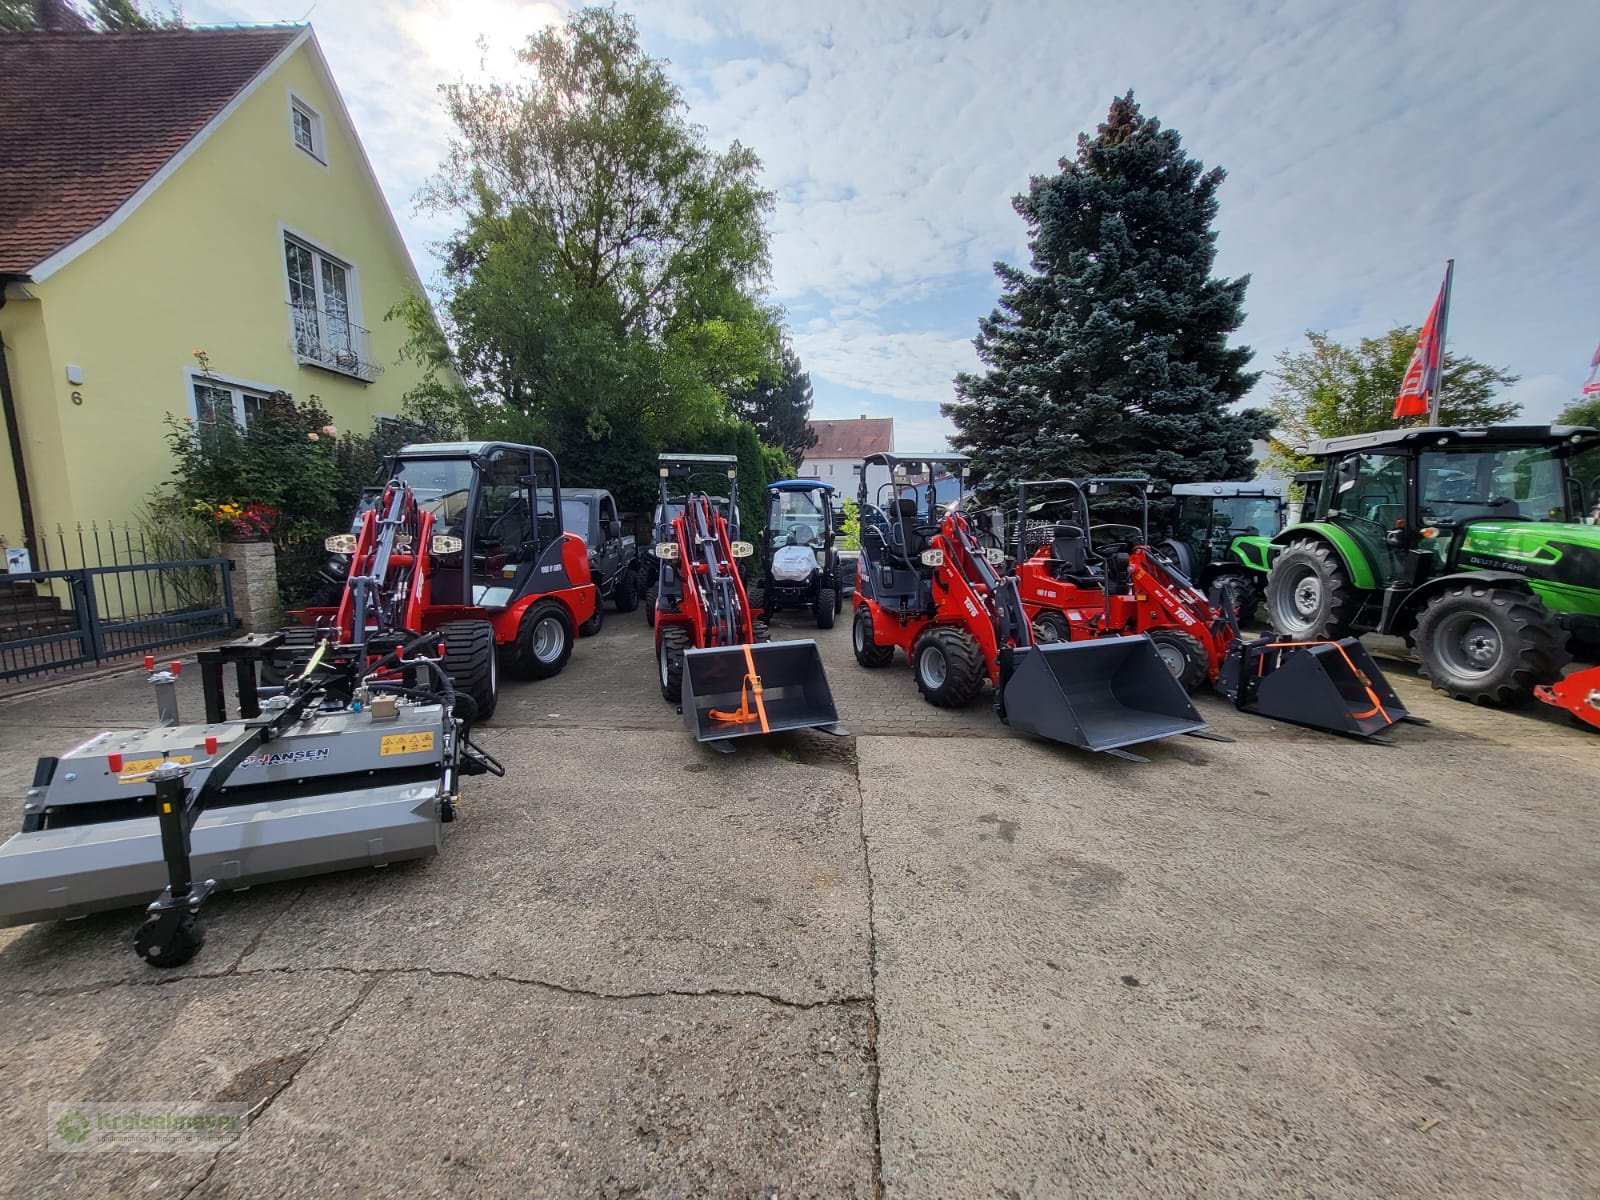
(1270, 489)
(1422, 436)
(800, 485)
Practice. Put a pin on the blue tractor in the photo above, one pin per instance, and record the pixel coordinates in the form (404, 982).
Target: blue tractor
(800, 567)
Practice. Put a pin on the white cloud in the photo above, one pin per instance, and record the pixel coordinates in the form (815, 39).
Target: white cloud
(907, 366)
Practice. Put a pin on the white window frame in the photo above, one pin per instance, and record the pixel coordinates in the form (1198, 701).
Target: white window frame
(240, 388)
(320, 251)
(319, 137)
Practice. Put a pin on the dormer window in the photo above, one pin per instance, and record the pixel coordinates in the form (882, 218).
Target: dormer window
(305, 124)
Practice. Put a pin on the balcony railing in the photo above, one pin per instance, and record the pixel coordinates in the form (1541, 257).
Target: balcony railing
(333, 341)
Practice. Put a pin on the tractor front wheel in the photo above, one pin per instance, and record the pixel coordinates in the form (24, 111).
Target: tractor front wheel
(471, 663)
(1309, 593)
(1489, 645)
(1183, 655)
(671, 642)
(949, 667)
(868, 652)
(827, 607)
(544, 641)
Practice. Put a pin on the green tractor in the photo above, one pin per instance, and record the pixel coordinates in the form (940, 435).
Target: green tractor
(1469, 543)
(1221, 535)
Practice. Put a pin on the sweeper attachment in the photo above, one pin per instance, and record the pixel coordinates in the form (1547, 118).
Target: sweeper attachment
(349, 765)
(929, 588)
(712, 653)
(1332, 686)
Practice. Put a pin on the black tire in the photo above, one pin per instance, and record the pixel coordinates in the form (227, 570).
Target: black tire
(758, 601)
(1183, 655)
(759, 631)
(827, 607)
(286, 662)
(1050, 627)
(650, 606)
(671, 642)
(473, 666)
(171, 946)
(544, 641)
(1243, 592)
(593, 625)
(1178, 556)
(1309, 593)
(626, 597)
(1489, 645)
(948, 666)
(868, 652)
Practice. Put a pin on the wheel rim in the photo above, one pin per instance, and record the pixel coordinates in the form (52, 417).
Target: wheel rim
(1295, 608)
(548, 639)
(1468, 644)
(494, 671)
(859, 633)
(1045, 632)
(1306, 595)
(661, 662)
(931, 664)
(1172, 658)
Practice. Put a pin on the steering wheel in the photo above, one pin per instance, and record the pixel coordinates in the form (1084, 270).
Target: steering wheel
(800, 535)
(1135, 530)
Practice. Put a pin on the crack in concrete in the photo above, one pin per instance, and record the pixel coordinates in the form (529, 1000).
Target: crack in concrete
(874, 1074)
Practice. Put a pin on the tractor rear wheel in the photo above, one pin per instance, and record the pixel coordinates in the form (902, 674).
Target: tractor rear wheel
(671, 642)
(592, 626)
(1241, 591)
(1489, 645)
(626, 597)
(949, 667)
(868, 652)
(471, 663)
(1183, 655)
(1309, 593)
(827, 607)
(544, 641)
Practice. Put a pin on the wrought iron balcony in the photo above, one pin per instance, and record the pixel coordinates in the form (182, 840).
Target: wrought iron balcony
(333, 341)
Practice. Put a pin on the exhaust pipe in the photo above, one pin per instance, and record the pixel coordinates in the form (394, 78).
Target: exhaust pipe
(1102, 695)
(745, 691)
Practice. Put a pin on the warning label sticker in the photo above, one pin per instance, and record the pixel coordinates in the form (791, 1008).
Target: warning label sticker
(134, 769)
(406, 743)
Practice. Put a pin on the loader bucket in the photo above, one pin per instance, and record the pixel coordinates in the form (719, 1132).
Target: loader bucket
(1099, 695)
(740, 691)
(1333, 686)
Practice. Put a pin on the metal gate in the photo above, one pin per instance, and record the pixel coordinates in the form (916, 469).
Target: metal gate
(101, 594)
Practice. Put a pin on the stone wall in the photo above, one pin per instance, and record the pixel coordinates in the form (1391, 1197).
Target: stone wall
(255, 584)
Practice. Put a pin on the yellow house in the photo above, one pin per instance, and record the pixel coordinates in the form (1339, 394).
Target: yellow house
(163, 193)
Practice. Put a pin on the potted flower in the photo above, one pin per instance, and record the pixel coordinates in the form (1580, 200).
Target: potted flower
(237, 522)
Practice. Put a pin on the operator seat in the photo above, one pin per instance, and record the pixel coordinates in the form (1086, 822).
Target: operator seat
(915, 541)
(1070, 551)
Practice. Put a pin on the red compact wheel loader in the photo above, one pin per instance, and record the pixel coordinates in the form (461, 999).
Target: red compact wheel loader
(712, 653)
(478, 554)
(925, 586)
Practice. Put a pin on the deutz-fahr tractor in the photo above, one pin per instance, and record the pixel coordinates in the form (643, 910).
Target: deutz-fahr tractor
(800, 566)
(1467, 542)
(1221, 534)
(713, 658)
(493, 570)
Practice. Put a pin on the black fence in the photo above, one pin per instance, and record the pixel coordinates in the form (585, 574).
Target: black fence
(103, 594)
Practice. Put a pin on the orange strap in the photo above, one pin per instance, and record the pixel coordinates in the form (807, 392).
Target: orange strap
(749, 689)
(1377, 708)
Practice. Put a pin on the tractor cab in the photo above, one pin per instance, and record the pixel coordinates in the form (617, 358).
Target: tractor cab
(1222, 533)
(900, 516)
(800, 566)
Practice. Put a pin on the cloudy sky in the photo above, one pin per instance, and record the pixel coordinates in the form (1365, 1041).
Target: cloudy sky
(1366, 141)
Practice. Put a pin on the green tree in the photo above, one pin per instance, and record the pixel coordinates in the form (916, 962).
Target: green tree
(605, 294)
(1585, 411)
(101, 16)
(779, 406)
(1332, 389)
(1111, 355)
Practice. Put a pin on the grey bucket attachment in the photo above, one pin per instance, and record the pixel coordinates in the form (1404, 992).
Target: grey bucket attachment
(1333, 686)
(742, 691)
(1100, 695)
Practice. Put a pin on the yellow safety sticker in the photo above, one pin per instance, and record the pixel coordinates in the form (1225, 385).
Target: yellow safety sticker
(134, 769)
(406, 743)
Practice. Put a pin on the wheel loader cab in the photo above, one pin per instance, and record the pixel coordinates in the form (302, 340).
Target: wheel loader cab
(902, 508)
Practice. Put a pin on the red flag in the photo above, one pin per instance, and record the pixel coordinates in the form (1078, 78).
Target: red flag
(1592, 384)
(1421, 383)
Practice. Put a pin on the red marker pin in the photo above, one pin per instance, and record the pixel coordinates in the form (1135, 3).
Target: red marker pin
(114, 761)
(441, 649)
(149, 662)
(211, 745)
(177, 668)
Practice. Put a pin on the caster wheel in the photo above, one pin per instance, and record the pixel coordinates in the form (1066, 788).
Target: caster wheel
(170, 940)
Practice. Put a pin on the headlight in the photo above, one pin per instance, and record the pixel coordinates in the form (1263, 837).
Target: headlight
(340, 543)
(667, 551)
(933, 558)
(822, 559)
(742, 549)
(444, 544)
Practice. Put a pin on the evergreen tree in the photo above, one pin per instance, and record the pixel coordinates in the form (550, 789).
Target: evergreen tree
(779, 406)
(1111, 355)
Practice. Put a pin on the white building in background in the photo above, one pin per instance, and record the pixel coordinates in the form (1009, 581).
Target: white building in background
(841, 445)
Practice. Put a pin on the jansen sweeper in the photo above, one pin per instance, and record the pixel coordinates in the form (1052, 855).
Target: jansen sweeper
(354, 761)
(712, 653)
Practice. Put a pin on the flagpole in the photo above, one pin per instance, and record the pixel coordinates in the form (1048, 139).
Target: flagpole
(1444, 322)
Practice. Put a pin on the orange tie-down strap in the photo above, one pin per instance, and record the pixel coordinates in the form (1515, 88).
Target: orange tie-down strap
(748, 690)
(1377, 708)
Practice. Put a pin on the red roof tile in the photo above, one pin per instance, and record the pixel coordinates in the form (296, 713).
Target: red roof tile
(852, 439)
(88, 118)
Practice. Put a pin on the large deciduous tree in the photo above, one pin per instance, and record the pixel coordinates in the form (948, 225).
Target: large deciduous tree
(779, 406)
(605, 292)
(1331, 389)
(1111, 355)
